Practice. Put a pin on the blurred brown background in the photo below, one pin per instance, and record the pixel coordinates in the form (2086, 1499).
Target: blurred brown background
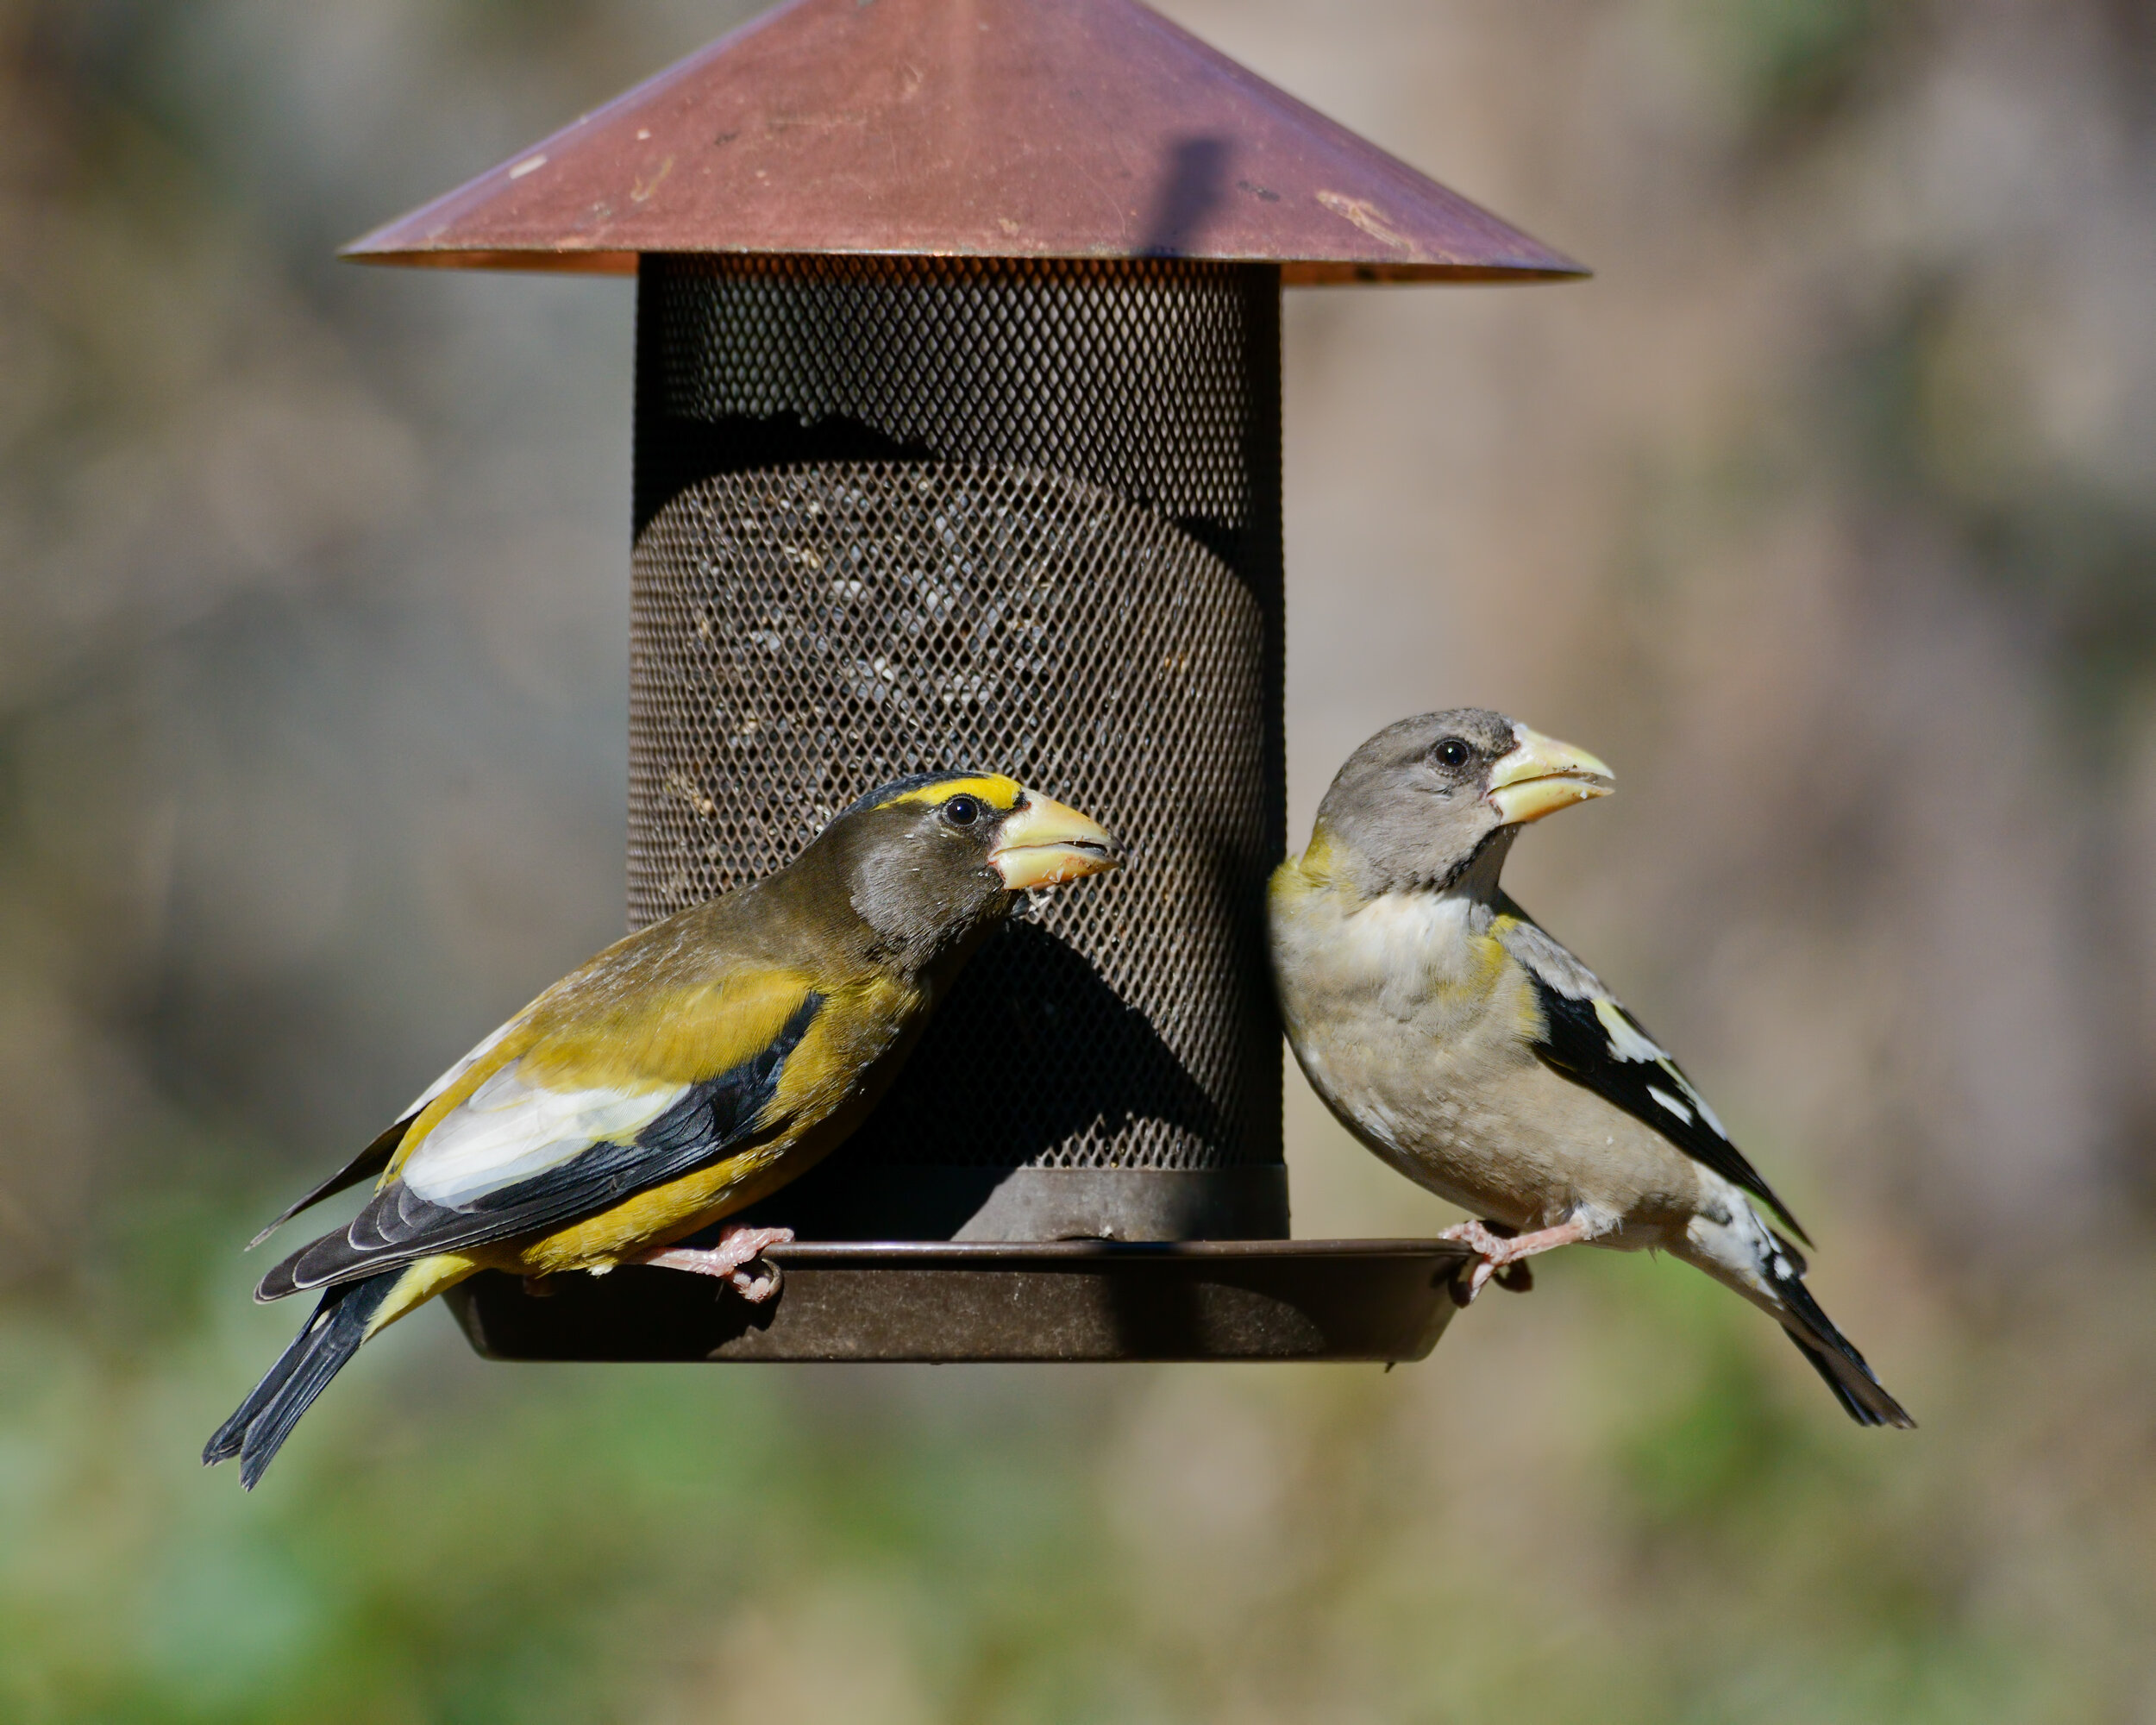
(1826, 513)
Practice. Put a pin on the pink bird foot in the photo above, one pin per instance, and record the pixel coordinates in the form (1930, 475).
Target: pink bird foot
(738, 1247)
(1502, 1255)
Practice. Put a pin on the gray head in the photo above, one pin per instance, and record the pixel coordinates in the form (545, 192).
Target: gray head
(1434, 802)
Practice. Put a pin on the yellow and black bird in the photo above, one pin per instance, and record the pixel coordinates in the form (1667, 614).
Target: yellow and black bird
(681, 1075)
(1471, 1051)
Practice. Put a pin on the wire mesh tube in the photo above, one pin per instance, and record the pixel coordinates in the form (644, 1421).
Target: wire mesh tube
(903, 515)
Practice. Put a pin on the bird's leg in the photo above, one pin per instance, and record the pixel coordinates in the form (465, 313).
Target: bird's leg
(738, 1247)
(1498, 1252)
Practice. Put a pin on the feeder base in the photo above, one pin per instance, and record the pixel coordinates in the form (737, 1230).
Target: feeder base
(1060, 1301)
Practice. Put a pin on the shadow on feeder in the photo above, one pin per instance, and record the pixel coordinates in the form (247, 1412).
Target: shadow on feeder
(1191, 191)
(925, 1165)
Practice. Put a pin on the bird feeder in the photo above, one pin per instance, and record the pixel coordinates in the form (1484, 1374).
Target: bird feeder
(957, 445)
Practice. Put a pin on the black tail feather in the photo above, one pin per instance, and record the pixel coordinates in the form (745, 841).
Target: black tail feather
(261, 1424)
(1856, 1410)
(1855, 1385)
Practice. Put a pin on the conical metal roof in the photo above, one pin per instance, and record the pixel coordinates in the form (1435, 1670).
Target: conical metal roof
(1009, 129)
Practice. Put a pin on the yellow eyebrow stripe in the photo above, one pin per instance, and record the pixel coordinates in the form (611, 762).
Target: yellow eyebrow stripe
(1000, 793)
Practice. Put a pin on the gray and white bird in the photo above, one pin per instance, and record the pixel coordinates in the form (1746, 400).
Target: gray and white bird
(1471, 1051)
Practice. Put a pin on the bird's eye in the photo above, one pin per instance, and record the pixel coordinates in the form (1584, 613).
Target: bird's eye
(961, 811)
(1451, 753)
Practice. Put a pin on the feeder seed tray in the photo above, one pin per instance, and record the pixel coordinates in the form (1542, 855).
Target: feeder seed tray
(1059, 1300)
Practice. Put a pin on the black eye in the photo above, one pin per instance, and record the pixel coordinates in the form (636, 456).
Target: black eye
(1452, 753)
(961, 811)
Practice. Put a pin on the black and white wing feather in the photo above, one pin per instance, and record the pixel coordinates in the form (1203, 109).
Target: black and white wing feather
(375, 1158)
(1589, 1038)
(571, 1175)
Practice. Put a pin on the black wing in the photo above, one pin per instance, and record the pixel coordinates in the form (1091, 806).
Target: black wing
(1589, 1038)
(398, 1226)
(366, 1165)
(375, 1158)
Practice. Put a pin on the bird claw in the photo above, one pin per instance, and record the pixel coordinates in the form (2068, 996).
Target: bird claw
(756, 1286)
(1514, 1278)
(1499, 1257)
(736, 1259)
(1470, 1281)
(1472, 1278)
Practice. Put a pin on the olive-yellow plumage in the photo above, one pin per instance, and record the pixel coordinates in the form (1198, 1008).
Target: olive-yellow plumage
(676, 1078)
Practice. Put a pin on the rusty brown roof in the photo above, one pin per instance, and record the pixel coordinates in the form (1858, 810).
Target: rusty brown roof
(1029, 128)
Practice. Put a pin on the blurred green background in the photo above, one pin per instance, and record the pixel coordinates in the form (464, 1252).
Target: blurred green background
(1828, 512)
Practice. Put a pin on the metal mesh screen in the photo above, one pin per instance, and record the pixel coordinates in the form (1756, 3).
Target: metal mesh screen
(904, 514)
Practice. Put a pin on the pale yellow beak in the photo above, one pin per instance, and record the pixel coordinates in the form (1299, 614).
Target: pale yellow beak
(1539, 775)
(1044, 844)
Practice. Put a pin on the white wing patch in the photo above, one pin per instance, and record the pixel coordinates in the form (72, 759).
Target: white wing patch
(462, 1067)
(1625, 1043)
(509, 1130)
(1698, 1102)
